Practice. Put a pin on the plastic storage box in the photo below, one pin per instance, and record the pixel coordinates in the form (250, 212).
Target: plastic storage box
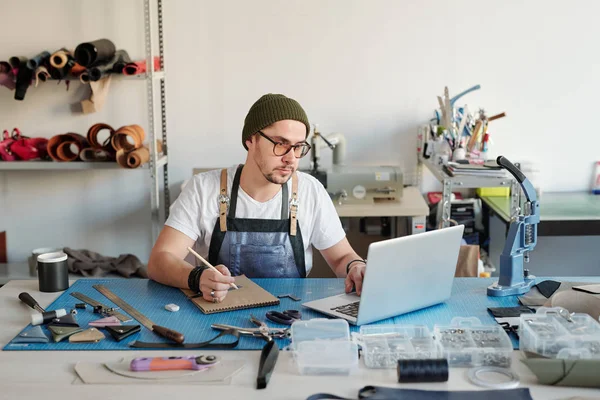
(323, 347)
(555, 333)
(383, 345)
(468, 343)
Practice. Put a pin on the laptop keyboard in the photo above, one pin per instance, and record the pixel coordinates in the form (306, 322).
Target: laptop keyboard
(350, 309)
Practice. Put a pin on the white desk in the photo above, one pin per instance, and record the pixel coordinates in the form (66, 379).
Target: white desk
(49, 374)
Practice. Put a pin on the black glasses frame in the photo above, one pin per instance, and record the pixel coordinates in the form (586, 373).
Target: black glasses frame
(303, 146)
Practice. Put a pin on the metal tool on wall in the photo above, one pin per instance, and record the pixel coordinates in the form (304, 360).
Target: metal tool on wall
(159, 330)
(521, 239)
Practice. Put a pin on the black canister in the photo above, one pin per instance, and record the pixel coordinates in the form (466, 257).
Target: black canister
(94, 53)
(53, 272)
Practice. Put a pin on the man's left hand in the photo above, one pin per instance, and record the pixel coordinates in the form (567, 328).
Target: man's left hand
(355, 277)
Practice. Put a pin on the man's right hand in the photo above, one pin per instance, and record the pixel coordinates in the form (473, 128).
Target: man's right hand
(214, 285)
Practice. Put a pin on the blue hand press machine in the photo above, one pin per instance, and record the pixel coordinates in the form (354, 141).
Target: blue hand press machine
(521, 239)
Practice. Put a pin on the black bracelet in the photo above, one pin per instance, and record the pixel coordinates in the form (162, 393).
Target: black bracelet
(194, 278)
(350, 263)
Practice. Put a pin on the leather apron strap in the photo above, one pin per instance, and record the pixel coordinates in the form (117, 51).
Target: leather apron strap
(223, 201)
(294, 205)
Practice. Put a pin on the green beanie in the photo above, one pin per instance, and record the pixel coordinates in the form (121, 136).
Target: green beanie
(269, 109)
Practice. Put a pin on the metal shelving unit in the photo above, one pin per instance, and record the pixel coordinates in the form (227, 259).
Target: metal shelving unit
(463, 182)
(156, 162)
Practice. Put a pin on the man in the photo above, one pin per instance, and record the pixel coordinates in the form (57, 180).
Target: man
(258, 219)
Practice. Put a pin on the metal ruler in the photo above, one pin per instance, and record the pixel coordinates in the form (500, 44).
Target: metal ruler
(159, 330)
(94, 303)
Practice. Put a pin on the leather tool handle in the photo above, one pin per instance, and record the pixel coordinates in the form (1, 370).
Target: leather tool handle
(30, 301)
(503, 162)
(168, 333)
(268, 359)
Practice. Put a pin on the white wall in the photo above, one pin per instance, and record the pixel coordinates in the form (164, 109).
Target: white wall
(369, 69)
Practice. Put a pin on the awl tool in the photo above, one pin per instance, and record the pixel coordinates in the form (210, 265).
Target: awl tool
(159, 330)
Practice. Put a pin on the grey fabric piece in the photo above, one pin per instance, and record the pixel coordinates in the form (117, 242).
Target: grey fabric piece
(91, 264)
(577, 302)
(535, 298)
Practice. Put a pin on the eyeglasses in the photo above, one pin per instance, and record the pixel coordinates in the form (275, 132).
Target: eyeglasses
(281, 149)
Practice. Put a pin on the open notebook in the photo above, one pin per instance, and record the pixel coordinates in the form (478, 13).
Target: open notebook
(248, 295)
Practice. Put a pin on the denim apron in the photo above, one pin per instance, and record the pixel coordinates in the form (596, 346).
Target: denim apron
(257, 248)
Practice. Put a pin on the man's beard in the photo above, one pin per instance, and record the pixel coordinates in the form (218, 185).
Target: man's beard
(277, 179)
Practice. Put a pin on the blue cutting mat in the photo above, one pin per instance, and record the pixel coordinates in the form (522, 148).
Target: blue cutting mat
(469, 299)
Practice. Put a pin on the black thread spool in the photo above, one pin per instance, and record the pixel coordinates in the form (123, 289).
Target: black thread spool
(414, 371)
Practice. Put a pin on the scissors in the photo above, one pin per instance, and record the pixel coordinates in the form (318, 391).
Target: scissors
(287, 317)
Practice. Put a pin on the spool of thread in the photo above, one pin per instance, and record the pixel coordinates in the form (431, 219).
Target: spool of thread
(47, 316)
(413, 371)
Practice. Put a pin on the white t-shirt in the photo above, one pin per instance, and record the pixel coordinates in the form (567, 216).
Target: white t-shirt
(196, 210)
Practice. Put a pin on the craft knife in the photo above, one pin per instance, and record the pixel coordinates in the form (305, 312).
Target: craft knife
(159, 330)
(94, 303)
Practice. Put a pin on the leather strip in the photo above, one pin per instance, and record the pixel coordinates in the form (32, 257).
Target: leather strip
(294, 205)
(284, 202)
(120, 138)
(223, 204)
(203, 345)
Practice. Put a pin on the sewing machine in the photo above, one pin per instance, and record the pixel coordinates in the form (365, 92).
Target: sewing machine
(521, 239)
(353, 184)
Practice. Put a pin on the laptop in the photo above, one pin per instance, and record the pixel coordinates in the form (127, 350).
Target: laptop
(402, 275)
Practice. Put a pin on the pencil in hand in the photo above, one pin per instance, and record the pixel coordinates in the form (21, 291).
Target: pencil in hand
(233, 285)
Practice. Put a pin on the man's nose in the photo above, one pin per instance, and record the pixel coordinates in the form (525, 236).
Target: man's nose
(289, 157)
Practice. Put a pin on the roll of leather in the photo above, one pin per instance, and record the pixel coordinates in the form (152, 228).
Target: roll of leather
(5, 67)
(122, 60)
(116, 64)
(64, 63)
(138, 157)
(38, 60)
(140, 67)
(134, 132)
(92, 136)
(84, 77)
(94, 53)
(59, 146)
(41, 74)
(92, 154)
(16, 61)
(7, 77)
(59, 59)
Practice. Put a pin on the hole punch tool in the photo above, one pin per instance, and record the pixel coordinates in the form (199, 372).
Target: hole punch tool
(269, 353)
(288, 317)
(521, 239)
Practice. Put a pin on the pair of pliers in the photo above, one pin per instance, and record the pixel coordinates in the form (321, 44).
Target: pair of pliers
(288, 317)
